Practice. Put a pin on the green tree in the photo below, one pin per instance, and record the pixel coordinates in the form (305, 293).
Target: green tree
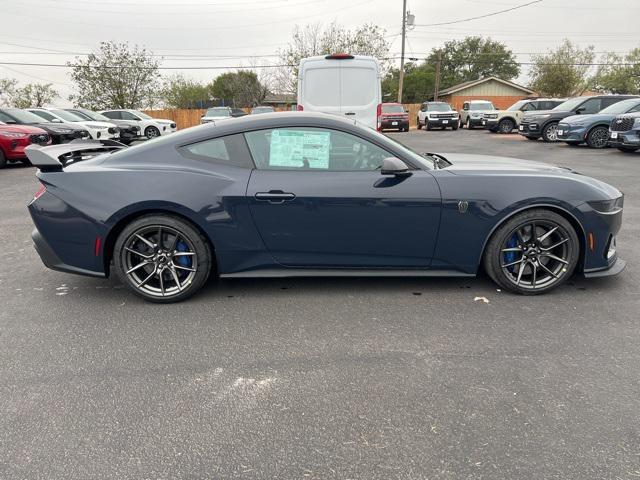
(33, 95)
(563, 72)
(473, 58)
(7, 90)
(417, 87)
(241, 88)
(116, 76)
(181, 92)
(620, 74)
(315, 39)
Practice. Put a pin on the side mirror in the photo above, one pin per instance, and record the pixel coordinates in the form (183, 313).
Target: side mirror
(394, 166)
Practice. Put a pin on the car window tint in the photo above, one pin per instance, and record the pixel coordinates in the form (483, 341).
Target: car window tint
(6, 118)
(230, 150)
(128, 116)
(593, 105)
(45, 115)
(313, 149)
(112, 115)
(635, 109)
(529, 106)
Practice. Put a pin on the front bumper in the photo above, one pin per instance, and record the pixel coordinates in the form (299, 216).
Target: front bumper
(530, 129)
(442, 122)
(167, 129)
(490, 123)
(475, 122)
(630, 138)
(394, 123)
(571, 133)
(615, 268)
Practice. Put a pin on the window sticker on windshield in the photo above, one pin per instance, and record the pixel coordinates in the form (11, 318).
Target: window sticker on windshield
(299, 149)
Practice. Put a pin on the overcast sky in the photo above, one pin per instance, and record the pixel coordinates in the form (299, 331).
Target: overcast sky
(228, 32)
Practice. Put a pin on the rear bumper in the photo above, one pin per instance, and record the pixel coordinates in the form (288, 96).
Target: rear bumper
(52, 261)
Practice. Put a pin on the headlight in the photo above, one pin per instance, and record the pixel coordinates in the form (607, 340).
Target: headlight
(12, 134)
(636, 123)
(606, 206)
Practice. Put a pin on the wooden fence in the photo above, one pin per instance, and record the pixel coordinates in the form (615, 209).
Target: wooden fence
(185, 118)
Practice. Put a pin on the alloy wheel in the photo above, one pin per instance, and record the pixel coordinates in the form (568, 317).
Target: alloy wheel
(152, 132)
(599, 138)
(506, 126)
(536, 255)
(551, 133)
(159, 260)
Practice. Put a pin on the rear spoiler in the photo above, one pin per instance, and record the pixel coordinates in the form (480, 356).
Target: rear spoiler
(55, 157)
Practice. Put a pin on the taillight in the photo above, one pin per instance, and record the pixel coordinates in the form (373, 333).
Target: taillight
(339, 56)
(300, 108)
(40, 191)
(379, 116)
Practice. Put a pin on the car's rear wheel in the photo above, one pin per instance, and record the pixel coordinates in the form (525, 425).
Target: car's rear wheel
(627, 149)
(506, 126)
(162, 258)
(598, 137)
(550, 132)
(151, 132)
(533, 252)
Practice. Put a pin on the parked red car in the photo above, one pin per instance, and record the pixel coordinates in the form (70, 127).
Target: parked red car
(14, 139)
(394, 116)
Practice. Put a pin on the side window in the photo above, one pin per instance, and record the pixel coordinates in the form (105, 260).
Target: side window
(313, 149)
(465, 106)
(128, 116)
(230, 150)
(635, 109)
(6, 118)
(423, 108)
(46, 115)
(527, 107)
(590, 106)
(606, 102)
(113, 115)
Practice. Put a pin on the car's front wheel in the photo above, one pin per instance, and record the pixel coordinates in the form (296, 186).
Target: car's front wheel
(151, 132)
(533, 252)
(506, 126)
(550, 132)
(162, 258)
(418, 122)
(598, 137)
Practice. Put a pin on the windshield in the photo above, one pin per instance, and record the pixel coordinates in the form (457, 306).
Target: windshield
(570, 104)
(140, 114)
(68, 116)
(481, 106)
(438, 107)
(392, 109)
(93, 116)
(218, 112)
(23, 116)
(621, 107)
(517, 105)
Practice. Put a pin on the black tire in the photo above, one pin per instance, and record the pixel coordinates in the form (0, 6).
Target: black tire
(523, 267)
(598, 137)
(157, 269)
(151, 132)
(506, 125)
(550, 132)
(427, 126)
(418, 122)
(455, 126)
(468, 123)
(627, 149)
(3, 159)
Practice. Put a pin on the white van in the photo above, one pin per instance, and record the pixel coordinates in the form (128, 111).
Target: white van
(341, 84)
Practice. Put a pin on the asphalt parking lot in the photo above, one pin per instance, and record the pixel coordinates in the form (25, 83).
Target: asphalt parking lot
(323, 378)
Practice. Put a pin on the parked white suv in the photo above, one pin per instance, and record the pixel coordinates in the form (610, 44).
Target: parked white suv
(473, 111)
(97, 130)
(437, 114)
(504, 121)
(149, 126)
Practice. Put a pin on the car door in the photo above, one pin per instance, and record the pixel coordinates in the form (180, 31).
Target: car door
(318, 199)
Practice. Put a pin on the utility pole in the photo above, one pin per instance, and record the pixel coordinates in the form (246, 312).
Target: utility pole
(436, 90)
(404, 33)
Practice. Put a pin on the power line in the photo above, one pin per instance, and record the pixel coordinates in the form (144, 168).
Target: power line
(479, 16)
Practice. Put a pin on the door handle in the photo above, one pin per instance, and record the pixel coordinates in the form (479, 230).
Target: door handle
(275, 196)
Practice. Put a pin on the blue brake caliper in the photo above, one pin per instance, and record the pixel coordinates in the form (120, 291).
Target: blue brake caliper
(183, 260)
(510, 257)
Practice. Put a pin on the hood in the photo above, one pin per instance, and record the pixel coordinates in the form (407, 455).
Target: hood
(27, 129)
(473, 112)
(57, 126)
(470, 162)
(587, 119)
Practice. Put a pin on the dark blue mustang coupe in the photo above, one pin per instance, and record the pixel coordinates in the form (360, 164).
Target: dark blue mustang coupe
(297, 194)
